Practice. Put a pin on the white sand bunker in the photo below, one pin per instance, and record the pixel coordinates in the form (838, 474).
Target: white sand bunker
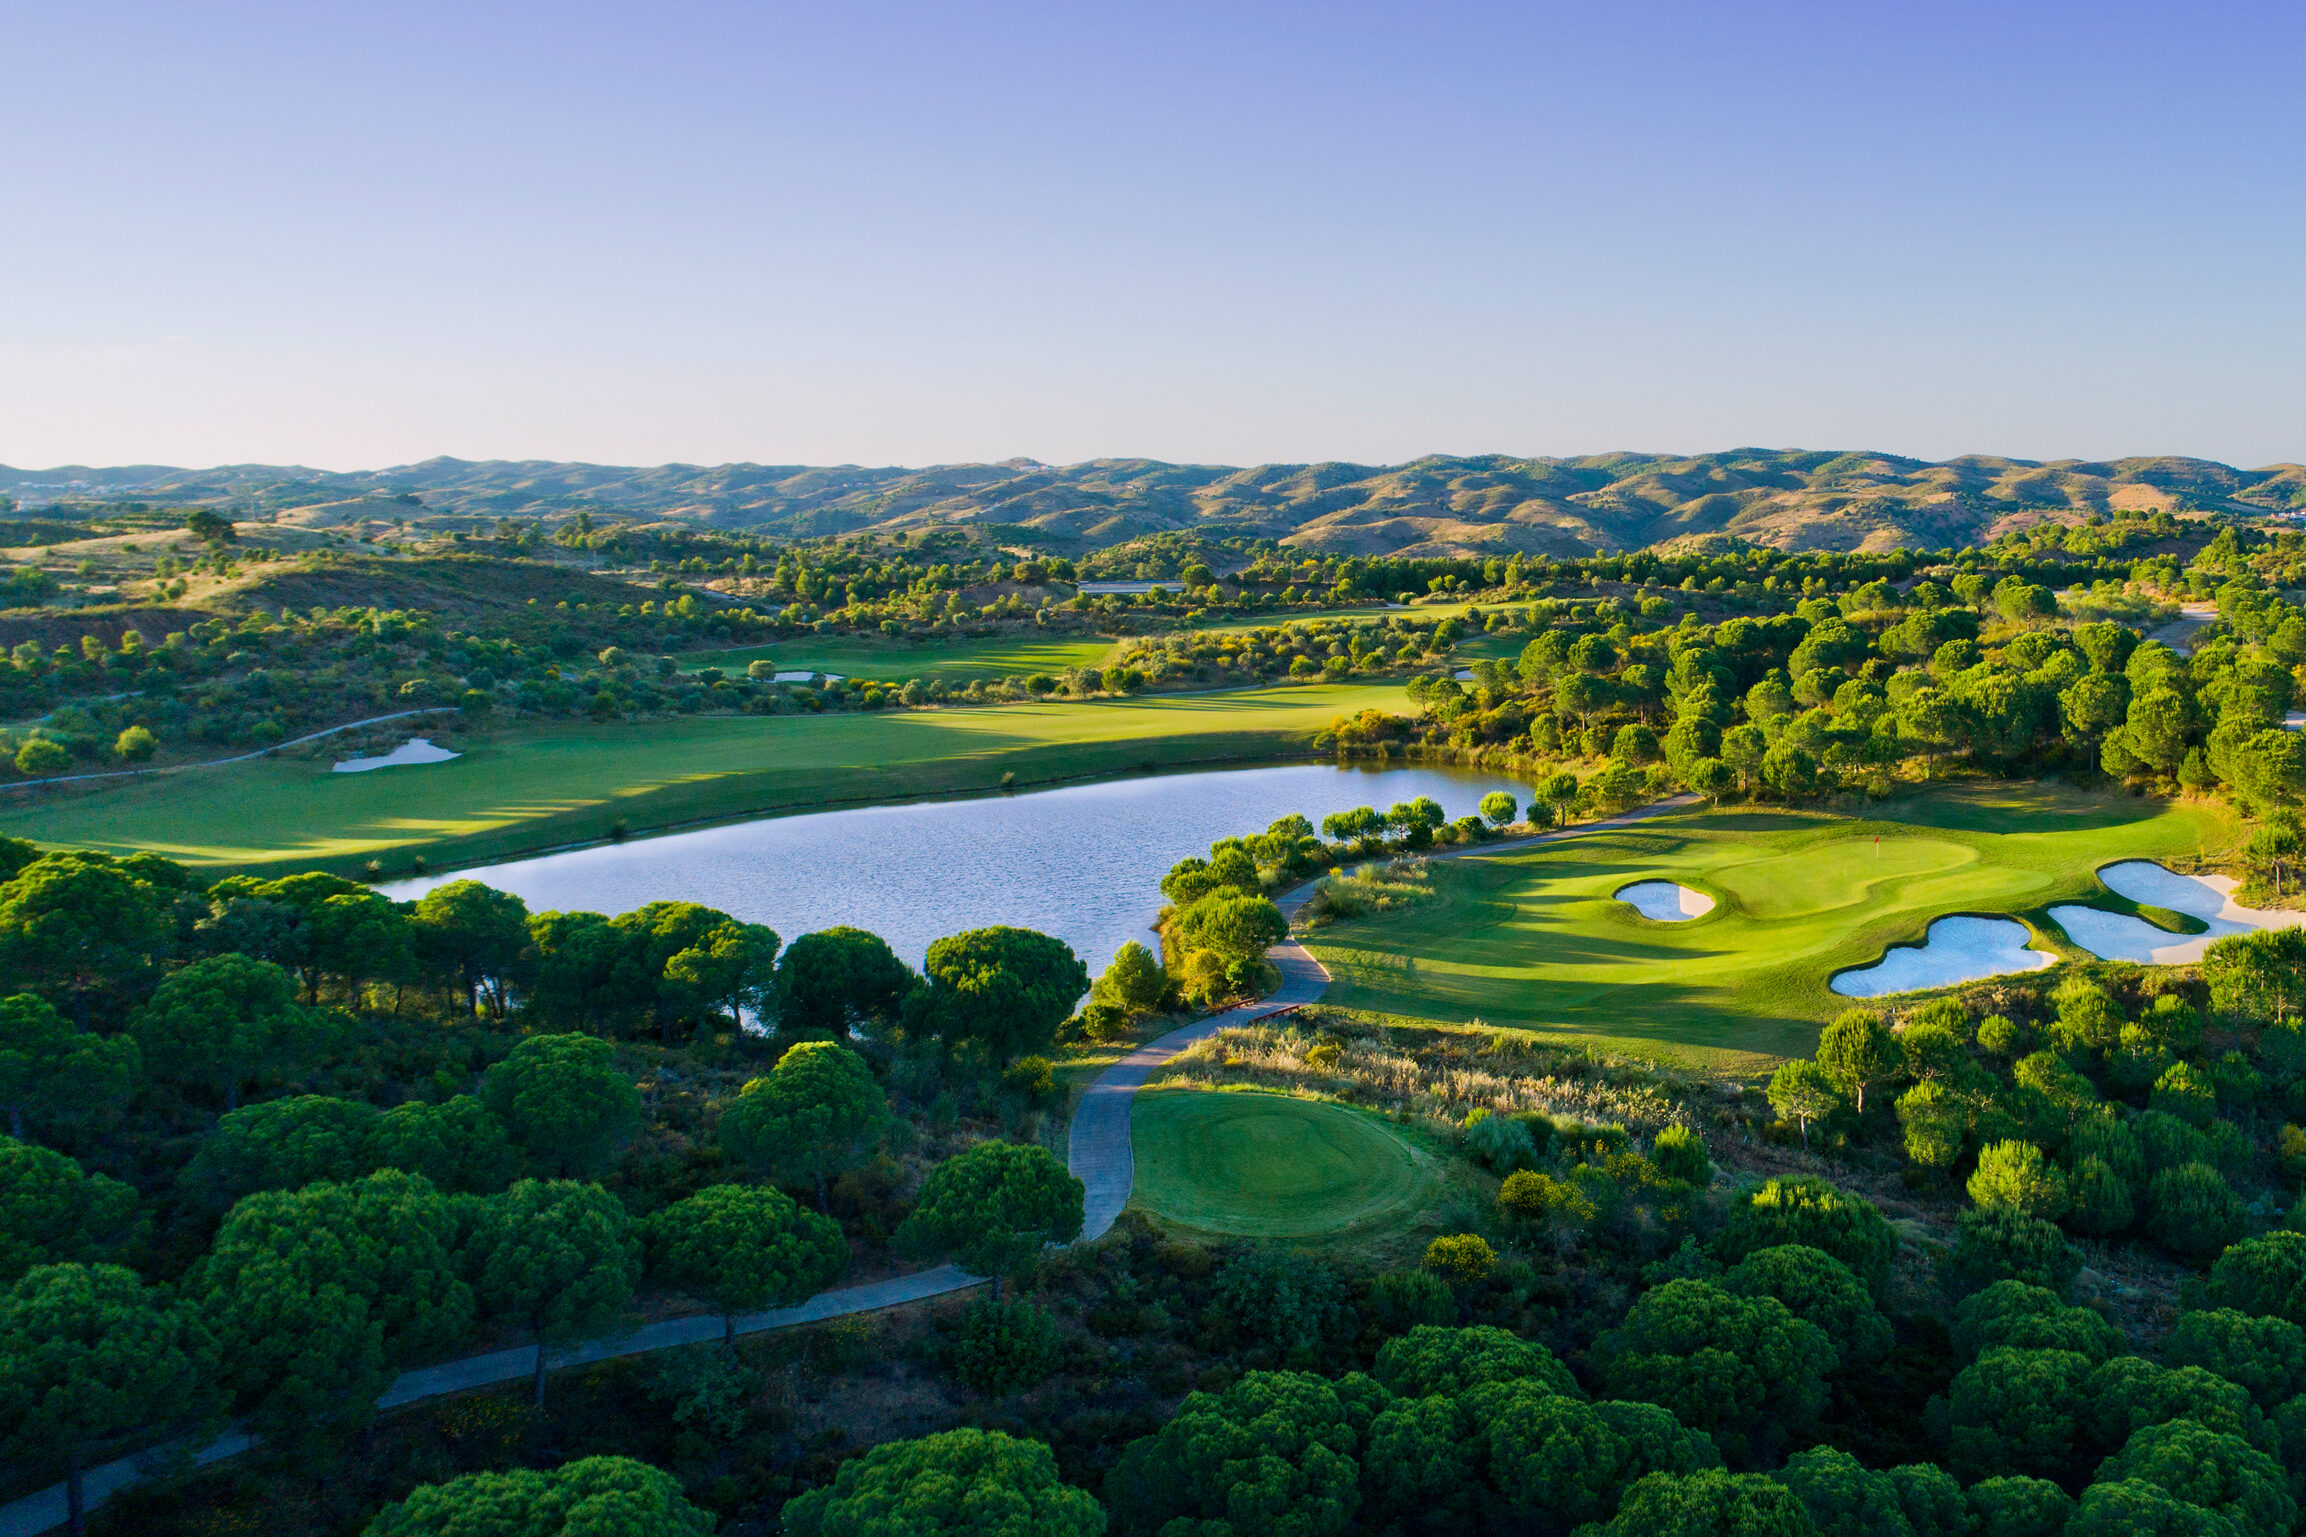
(1665, 901)
(1955, 950)
(414, 750)
(2121, 937)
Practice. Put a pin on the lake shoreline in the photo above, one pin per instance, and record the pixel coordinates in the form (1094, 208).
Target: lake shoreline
(785, 812)
(1082, 860)
(523, 788)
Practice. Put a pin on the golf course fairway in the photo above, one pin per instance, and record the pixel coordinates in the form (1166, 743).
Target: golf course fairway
(1251, 1165)
(521, 788)
(860, 656)
(1535, 939)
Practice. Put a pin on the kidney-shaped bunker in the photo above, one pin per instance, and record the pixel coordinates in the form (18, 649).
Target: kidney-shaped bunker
(1665, 901)
(1956, 950)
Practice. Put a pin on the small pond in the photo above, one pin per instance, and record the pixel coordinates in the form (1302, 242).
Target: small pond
(1955, 950)
(1083, 862)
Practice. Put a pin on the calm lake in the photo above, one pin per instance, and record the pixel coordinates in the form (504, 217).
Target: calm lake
(1083, 862)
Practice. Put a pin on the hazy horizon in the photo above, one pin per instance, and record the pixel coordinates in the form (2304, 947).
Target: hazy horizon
(1066, 464)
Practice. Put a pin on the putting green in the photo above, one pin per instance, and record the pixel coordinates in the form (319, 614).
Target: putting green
(1255, 1165)
(1536, 939)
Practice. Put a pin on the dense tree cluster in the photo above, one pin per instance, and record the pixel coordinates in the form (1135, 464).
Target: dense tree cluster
(2121, 1115)
(275, 1141)
(1861, 679)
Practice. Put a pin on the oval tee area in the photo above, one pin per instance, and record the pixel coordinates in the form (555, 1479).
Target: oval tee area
(1252, 1165)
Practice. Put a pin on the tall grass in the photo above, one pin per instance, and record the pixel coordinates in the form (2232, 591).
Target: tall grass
(1441, 1075)
(1370, 888)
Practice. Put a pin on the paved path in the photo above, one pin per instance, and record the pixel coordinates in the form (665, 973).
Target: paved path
(1099, 1152)
(46, 1510)
(2179, 633)
(179, 768)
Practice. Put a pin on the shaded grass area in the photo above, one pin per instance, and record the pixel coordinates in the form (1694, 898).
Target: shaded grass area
(1245, 1164)
(1535, 940)
(525, 788)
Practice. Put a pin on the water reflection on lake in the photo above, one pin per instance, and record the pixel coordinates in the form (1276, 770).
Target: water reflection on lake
(1083, 862)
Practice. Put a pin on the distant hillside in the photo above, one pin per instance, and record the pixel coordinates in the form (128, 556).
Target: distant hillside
(1434, 506)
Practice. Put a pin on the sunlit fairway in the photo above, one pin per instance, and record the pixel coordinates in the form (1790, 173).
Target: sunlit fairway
(1536, 940)
(959, 659)
(859, 656)
(1257, 1165)
(527, 787)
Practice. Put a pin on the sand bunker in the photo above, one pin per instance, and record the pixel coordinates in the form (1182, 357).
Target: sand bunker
(805, 677)
(414, 750)
(2121, 937)
(1665, 901)
(1956, 950)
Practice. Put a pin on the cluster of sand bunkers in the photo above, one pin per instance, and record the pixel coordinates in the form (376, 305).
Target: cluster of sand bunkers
(1966, 948)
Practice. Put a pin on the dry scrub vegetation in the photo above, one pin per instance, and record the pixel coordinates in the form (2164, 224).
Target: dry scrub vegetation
(1437, 1072)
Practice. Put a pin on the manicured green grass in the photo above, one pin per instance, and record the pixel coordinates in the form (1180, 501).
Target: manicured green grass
(525, 787)
(1536, 940)
(858, 656)
(1252, 1165)
(1001, 656)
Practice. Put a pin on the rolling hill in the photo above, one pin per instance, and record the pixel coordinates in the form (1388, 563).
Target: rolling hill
(1433, 506)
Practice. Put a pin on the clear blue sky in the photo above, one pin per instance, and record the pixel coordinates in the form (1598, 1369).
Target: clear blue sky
(357, 235)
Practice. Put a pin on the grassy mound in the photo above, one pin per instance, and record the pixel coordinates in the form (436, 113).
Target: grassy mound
(1266, 1166)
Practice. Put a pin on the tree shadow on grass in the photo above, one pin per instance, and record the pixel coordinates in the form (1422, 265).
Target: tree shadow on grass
(2016, 807)
(1754, 820)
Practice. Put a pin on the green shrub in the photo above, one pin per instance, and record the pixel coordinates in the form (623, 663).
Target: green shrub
(1408, 1299)
(2266, 1356)
(2014, 1314)
(2194, 1213)
(2102, 1202)
(41, 756)
(1500, 1144)
(1452, 1362)
(1006, 1347)
(2019, 1507)
(2014, 1175)
(2000, 1244)
(1460, 1256)
(1816, 1287)
(1679, 1153)
(1810, 1211)
(1272, 1300)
